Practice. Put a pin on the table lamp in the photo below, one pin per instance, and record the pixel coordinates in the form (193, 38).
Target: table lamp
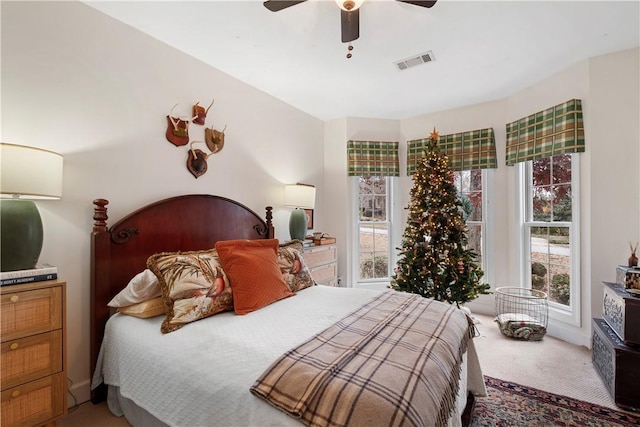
(300, 197)
(26, 174)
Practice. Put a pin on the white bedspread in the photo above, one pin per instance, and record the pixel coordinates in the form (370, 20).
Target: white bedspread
(208, 366)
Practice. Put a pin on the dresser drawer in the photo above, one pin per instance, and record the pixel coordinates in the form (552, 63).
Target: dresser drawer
(30, 358)
(319, 255)
(31, 312)
(325, 274)
(35, 402)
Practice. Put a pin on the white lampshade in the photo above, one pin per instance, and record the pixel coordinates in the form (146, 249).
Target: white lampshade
(300, 196)
(30, 173)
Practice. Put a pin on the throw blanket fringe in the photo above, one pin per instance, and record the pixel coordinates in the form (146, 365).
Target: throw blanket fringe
(395, 362)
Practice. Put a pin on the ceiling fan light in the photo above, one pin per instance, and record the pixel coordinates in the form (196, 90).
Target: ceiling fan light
(349, 5)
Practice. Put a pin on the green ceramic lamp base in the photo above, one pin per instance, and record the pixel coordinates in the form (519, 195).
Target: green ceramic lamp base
(298, 224)
(21, 235)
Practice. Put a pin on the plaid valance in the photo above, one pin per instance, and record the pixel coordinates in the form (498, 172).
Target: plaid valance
(474, 149)
(373, 158)
(556, 130)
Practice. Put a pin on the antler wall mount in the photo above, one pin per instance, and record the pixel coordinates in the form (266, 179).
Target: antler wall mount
(349, 15)
(178, 134)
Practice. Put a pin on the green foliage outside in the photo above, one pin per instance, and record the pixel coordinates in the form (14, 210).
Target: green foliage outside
(560, 288)
(374, 267)
(538, 276)
(434, 259)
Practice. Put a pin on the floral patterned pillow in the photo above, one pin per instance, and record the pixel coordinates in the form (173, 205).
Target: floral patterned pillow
(194, 286)
(294, 270)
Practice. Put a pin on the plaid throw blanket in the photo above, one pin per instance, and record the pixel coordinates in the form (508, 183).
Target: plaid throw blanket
(393, 362)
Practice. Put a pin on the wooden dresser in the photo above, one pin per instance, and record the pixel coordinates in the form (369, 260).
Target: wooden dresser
(323, 264)
(33, 375)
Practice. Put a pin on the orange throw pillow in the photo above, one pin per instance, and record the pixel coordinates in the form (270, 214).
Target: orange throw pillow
(253, 272)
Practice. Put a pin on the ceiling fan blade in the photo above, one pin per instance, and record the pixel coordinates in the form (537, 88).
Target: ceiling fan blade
(350, 24)
(419, 3)
(276, 5)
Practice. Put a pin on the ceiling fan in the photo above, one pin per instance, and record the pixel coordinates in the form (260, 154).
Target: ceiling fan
(349, 13)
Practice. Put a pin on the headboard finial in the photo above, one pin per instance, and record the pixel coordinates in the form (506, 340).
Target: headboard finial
(269, 218)
(100, 215)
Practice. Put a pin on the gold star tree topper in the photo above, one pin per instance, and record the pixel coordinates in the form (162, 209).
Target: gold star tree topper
(434, 135)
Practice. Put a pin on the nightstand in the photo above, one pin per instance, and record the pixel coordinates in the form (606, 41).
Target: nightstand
(33, 373)
(322, 262)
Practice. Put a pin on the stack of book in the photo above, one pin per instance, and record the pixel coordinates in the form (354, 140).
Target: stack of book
(38, 274)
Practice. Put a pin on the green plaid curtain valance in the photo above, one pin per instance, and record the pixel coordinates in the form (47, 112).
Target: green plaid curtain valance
(556, 130)
(373, 158)
(474, 149)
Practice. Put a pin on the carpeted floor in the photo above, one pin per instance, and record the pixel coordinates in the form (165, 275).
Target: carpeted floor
(511, 404)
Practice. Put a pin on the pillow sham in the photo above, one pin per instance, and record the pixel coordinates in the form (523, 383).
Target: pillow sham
(294, 271)
(194, 286)
(145, 309)
(144, 286)
(254, 273)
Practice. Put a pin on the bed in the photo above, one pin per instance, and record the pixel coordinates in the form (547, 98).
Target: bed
(231, 369)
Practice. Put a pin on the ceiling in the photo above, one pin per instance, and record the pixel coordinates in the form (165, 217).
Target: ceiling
(483, 50)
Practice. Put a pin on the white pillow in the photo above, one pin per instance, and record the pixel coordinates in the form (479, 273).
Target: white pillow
(143, 287)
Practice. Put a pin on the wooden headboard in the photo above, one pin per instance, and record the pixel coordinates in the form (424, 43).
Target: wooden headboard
(183, 223)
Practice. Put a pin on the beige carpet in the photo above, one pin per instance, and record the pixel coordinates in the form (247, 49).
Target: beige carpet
(551, 365)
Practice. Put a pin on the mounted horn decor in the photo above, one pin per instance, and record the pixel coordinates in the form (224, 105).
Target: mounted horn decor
(177, 129)
(214, 139)
(200, 114)
(178, 134)
(197, 161)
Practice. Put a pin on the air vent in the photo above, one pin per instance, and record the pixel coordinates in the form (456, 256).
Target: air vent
(421, 58)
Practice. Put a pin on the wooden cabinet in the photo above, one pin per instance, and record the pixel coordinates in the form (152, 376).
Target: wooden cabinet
(33, 365)
(615, 345)
(617, 364)
(621, 311)
(322, 262)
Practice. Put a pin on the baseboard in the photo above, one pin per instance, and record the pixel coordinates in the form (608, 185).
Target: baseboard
(78, 392)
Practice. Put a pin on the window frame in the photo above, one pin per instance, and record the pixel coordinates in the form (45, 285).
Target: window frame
(391, 191)
(569, 314)
(486, 242)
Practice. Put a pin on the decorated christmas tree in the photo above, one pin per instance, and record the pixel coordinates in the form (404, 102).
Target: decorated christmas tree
(434, 259)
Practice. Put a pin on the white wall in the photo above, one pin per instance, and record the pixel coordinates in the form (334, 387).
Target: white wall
(82, 84)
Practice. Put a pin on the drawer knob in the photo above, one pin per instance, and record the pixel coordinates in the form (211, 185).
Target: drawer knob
(15, 393)
(13, 346)
(14, 298)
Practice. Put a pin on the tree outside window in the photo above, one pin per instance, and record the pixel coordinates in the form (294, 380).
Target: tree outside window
(469, 186)
(549, 222)
(374, 227)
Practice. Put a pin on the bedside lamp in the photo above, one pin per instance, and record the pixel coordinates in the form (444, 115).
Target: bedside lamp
(300, 197)
(27, 174)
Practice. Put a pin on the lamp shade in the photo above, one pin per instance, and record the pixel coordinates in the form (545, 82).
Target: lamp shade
(30, 173)
(26, 174)
(300, 196)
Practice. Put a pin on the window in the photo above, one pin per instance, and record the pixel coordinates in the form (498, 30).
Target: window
(469, 186)
(550, 231)
(374, 229)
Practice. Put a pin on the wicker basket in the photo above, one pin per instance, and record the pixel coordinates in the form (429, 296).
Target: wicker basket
(522, 313)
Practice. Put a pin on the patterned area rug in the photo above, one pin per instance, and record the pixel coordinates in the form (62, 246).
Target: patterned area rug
(511, 404)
